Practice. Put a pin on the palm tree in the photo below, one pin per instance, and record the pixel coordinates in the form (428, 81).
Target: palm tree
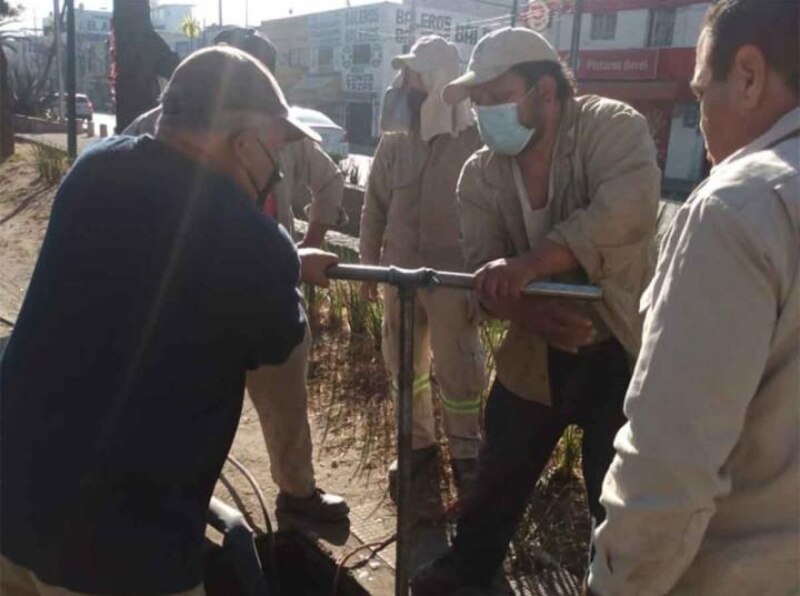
(191, 29)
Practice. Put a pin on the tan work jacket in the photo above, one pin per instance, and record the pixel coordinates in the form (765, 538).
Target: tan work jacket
(703, 496)
(302, 163)
(305, 163)
(604, 193)
(409, 218)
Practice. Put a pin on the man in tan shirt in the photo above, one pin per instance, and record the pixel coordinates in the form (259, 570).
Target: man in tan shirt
(409, 219)
(280, 393)
(570, 184)
(703, 496)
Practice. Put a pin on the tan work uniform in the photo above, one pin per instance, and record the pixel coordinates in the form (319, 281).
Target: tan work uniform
(599, 156)
(703, 497)
(409, 219)
(279, 393)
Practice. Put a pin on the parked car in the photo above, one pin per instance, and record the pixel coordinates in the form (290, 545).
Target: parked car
(83, 106)
(335, 141)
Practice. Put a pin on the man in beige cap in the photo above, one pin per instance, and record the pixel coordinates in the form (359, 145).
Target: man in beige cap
(280, 393)
(567, 190)
(409, 219)
(158, 286)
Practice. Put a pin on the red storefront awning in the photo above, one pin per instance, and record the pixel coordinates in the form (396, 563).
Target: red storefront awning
(673, 91)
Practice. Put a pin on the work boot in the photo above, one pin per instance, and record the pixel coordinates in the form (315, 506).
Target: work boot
(319, 507)
(465, 474)
(421, 460)
(442, 577)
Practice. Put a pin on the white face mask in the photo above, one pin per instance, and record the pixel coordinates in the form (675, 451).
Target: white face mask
(501, 130)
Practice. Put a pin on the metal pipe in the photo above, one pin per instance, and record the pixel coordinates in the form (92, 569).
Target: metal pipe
(430, 278)
(405, 395)
(514, 12)
(407, 282)
(72, 131)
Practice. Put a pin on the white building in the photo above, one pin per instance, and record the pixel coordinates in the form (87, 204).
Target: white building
(339, 61)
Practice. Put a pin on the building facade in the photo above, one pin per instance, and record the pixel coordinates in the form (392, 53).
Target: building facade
(641, 52)
(637, 51)
(339, 61)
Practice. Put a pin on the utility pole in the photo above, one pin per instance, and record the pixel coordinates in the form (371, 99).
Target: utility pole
(576, 36)
(220, 12)
(59, 64)
(514, 11)
(72, 132)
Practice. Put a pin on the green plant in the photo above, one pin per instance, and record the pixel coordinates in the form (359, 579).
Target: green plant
(191, 29)
(51, 163)
(25, 88)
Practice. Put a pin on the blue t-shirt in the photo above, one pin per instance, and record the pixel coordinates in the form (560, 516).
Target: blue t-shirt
(158, 285)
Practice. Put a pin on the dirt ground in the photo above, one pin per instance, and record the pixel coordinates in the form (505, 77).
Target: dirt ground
(351, 419)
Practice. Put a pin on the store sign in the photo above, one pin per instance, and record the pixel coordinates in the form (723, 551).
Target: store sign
(359, 82)
(427, 23)
(325, 29)
(362, 25)
(618, 64)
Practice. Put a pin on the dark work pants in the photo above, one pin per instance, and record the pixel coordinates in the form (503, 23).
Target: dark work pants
(587, 389)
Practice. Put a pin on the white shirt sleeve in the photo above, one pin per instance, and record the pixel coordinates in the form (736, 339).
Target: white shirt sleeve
(712, 310)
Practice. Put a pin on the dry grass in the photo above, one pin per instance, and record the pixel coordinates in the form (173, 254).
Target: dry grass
(349, 391)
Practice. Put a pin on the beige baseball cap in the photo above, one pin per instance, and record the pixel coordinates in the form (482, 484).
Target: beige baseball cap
(494, 54)
(428, 53)
(222, 88)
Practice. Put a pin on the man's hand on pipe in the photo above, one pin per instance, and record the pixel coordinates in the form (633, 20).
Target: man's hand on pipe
(503, 279)
(313, 265)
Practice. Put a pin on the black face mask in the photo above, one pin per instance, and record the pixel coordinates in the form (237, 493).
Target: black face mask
(274, 178)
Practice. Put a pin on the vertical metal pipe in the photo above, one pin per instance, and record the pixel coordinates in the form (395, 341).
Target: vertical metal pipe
(514, 11)
(220, 12)
(405, 395)
(577, 17)
(72, 131)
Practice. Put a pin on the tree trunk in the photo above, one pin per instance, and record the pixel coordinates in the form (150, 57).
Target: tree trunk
(140, 57)
(6, 112)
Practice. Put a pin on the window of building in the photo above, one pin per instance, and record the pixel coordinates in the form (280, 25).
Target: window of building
(604, 25)
(662, 27)
(297, 57)
(362, 54)
(325, 56)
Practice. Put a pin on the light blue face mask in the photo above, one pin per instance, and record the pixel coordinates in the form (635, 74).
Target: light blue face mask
(501, 130)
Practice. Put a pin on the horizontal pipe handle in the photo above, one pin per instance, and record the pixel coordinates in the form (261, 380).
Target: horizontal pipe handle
(430, 278)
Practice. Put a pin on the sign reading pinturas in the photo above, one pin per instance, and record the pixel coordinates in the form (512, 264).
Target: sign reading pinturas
(618, 64)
